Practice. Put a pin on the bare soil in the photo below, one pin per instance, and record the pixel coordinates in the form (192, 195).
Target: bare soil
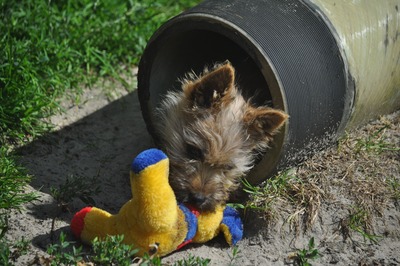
(99, 138)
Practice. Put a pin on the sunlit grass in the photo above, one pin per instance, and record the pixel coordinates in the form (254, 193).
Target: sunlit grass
(55, 48)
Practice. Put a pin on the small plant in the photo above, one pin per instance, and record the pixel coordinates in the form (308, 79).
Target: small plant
(61, 254)
(10, 252)
(304, 255)
(358, 222)
(265, 195)
(235, 255)
(193, 261)
(254, 192)
(375, 142)
(251, 189)
(3, 223)
(394, 185)
(21, 247)
(12, 185)
(148, 260)
(111, 251)
(75, 187)
(5, 253)
(13, 181)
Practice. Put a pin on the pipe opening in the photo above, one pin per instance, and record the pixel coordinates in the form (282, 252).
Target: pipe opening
(176, 53)
(192, 51)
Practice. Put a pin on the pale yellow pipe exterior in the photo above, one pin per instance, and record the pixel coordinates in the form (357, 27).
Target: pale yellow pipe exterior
(368, 34)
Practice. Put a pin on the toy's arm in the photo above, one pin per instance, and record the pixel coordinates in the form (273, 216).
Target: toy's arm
(231, 225)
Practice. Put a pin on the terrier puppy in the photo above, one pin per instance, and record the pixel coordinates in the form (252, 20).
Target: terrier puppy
(212, 135)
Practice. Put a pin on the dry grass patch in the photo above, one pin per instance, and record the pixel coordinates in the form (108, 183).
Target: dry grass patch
(289, 196)
(359, 174)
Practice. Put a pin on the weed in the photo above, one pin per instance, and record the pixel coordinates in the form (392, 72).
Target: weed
(13, 181)
(263, 197)
(235, 255)
(4, 252)
(112, 251)
(148, 260)
(375, 142)
(193, 261)
(304, 255)
(286, 189)
(75, 187)
(394, 186)
(60, 254)
(21, 247)
(359, 221)
(10, 252)
(251, 189)
(254, 192)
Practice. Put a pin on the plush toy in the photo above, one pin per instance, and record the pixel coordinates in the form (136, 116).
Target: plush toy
(152, 221)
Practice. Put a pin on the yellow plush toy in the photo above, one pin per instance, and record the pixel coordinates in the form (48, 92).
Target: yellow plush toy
(152, 221)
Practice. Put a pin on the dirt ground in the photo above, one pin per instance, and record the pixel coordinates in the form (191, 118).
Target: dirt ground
(99, 138)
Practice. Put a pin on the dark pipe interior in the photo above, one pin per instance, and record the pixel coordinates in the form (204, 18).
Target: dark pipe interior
(192, 51)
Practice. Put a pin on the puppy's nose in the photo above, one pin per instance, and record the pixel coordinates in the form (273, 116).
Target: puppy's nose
(197, 198)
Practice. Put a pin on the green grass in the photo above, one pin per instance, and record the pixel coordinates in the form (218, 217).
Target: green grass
(359, 221)
(375, 142)
(265, 196)
(394, 186)
(13, 180)
(54, 48)
(9, 252)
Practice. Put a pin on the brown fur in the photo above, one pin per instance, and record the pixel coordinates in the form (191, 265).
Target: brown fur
(211, 135)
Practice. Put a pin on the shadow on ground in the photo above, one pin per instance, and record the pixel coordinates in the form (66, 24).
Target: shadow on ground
(99, 146)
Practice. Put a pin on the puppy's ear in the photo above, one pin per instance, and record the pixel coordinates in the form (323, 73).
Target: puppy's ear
(212, 88)
(263, 122)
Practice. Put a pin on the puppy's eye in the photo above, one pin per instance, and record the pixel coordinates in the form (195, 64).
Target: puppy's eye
(194, 152)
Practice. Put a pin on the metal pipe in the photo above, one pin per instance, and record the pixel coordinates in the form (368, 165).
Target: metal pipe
(329, 66)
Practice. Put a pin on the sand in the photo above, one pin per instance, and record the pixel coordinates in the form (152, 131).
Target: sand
(98, 138)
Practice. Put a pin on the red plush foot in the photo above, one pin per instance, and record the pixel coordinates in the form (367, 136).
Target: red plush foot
(78, 221)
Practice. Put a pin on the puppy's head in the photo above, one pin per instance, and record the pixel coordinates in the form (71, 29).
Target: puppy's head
(211, 135)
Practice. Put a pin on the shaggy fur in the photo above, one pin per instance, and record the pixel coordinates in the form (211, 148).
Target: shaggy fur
(211, 135)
